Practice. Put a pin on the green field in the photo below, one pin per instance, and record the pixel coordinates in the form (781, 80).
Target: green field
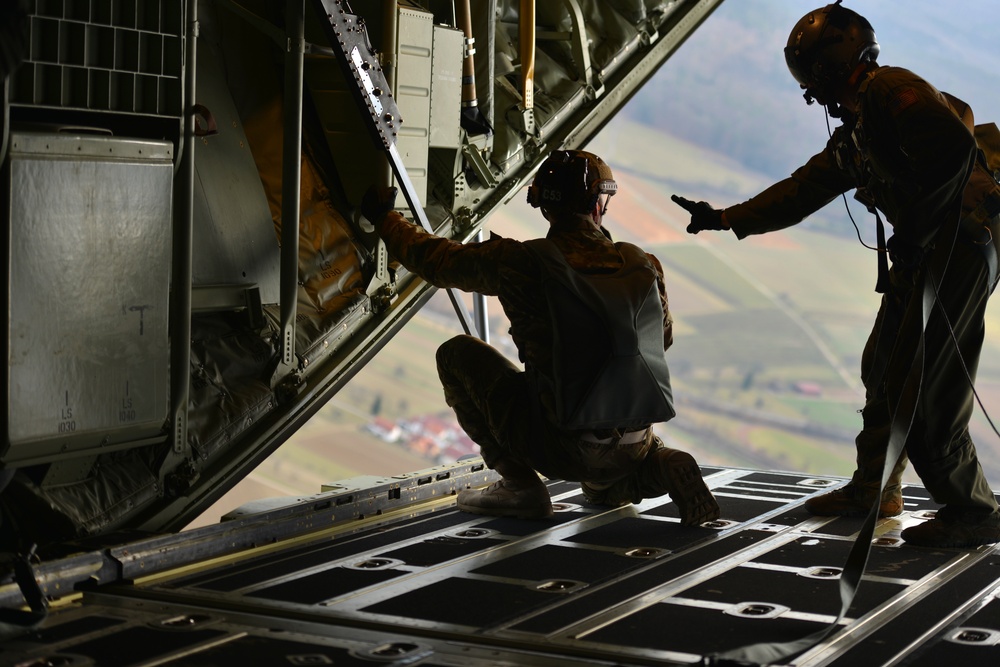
(711, 273)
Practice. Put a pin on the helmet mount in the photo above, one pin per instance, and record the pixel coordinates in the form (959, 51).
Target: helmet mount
(572, 181)
(825, 48)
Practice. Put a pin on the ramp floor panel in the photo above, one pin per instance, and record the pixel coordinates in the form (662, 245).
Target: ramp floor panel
(589, 585)
(145, 633)
(684, 629)
(788, 589)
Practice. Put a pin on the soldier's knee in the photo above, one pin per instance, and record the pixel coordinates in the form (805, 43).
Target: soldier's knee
(454, 349)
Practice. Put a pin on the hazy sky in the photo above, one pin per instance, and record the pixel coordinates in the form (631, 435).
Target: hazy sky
(728, 87)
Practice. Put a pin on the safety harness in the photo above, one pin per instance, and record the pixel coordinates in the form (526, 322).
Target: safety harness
(851, 156)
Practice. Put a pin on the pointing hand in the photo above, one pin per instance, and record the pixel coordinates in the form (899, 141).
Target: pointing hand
(703, 216)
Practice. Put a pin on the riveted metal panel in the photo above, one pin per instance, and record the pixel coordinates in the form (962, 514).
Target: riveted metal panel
(446, 88)
(413, 93)
(89, 264)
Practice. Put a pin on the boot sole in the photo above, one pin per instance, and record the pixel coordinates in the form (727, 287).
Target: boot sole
(914, 538)
(505, 511)
(538, 511)
(695, 503)
(854, 514)
(848, 512)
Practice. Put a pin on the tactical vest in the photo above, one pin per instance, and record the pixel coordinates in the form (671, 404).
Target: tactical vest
(857, 155)
(608, 368)
(854, 154)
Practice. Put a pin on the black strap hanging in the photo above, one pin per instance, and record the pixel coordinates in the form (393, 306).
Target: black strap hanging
(767, 653)
(882, 282)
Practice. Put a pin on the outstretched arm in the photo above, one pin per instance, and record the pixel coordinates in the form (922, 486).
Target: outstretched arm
(703, 216)
(473, 267)
(789, 201)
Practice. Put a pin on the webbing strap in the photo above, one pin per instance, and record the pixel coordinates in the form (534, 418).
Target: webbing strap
(15, 622)
(882, 282)
(976, 227)
(850, 578)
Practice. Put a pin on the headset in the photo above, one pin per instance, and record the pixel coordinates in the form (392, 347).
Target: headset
(572, 181)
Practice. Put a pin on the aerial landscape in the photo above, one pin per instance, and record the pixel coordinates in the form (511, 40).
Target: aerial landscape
(768, 331)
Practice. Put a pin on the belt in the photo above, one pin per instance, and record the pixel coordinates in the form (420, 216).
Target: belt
(629, 438)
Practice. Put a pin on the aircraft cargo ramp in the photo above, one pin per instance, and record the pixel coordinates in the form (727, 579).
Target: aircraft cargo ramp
(156, 360)
(387, 571)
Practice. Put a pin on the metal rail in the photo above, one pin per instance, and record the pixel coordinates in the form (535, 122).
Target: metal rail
(348, 36)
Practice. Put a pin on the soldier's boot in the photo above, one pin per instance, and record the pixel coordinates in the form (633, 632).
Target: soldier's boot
(955, 530)
(519, 493)
(677, 473)
(970, 516)
(664, 470)
(856, 499)
(610, 495)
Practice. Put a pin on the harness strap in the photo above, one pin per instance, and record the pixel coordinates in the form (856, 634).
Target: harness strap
(882, 282)
(975, 227)
(15, 622)
(850, 577)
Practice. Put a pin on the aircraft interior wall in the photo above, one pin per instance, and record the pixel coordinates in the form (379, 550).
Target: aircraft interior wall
(100, 434)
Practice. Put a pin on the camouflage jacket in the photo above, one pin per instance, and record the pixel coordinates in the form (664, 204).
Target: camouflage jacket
(505, 268)
(907, 146)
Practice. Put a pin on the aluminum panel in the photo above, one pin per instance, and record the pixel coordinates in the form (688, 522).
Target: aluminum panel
(413, 94)
(446, 88)
(237, 243)
(89, 271)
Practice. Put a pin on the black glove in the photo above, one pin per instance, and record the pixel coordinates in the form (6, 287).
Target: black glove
(703, 216)
(377, 203)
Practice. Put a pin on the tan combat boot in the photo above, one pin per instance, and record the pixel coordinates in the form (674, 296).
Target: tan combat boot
(507, 498)
(955, 531)
(520, 493)
(664, 470)
(856, 500)
(680, 475)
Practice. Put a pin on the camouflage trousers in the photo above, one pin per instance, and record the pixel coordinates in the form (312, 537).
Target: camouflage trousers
(498, 410)
(939, 445)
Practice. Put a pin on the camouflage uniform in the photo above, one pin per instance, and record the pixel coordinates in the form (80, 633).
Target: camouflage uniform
(916, 158)
(490, 395)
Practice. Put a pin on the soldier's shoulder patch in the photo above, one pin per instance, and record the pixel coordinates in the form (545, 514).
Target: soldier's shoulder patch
(902, 100)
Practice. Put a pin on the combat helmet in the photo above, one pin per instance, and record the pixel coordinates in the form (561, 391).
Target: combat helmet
(825, 47)
(572, 181)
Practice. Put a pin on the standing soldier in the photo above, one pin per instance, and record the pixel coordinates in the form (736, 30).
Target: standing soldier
(911, 153)
(590, 321)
